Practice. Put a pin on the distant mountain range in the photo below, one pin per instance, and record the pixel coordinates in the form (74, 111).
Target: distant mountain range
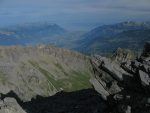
(103, 39)
(29, 33)
(107, 38)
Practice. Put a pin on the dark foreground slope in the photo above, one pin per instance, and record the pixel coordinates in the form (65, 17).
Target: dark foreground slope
(83, 101)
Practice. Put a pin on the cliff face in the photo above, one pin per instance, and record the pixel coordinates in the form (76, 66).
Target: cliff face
(124, 85)
(42, 70)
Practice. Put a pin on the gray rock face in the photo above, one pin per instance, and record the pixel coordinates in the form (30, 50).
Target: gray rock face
(124, 85)
(10, 105)
(144, 77)
(100, 88)
(122, 55)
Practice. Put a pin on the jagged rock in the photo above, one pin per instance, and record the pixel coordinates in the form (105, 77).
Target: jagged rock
(99, 88)
(104, 80)
(10, 105)
(122, 55)
(114, 88)
(109, 67)
(118, 97)
(127, 82)
(124, 109)
(127, 67)
(114, 70)
(144, 77)
(146, 68)
(136, 64)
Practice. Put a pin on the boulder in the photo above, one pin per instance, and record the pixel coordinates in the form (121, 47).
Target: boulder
(113, 70)
(144, 77)
(99, 88)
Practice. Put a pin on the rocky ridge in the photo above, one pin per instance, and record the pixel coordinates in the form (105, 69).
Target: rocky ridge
(124, 85)
(42, 70)
(29, 72)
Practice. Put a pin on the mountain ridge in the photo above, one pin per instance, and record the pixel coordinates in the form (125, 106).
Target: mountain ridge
(44, 70)
(101, 38)
(31, 33)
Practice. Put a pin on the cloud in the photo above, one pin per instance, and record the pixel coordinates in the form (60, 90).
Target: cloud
(74, 12)
(79, 6)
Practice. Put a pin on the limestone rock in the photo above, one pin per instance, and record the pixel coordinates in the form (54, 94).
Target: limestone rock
(144, 77)
(127, 82)
(122, 55)
(99, 88)
(10, 105)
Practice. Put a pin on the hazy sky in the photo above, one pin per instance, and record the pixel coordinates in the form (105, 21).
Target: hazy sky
(74, 14)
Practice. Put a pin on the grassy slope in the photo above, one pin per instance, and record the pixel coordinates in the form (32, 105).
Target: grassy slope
(74, 80)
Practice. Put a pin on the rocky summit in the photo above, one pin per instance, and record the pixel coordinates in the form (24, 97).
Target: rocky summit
(124, 85)
(45, 79)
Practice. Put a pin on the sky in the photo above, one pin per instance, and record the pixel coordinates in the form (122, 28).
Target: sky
(73, 14)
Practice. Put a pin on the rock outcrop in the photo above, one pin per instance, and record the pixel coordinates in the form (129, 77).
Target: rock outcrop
(124, 85)
(10, 105)
(123, 55)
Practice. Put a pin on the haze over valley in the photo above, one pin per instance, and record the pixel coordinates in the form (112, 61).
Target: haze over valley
(100, 40)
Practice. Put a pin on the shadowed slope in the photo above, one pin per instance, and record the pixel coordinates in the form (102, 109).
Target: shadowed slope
(83, 101)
